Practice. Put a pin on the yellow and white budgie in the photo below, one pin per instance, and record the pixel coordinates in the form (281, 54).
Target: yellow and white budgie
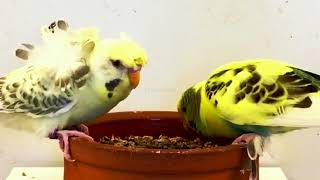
(252, 100)
(73, 77)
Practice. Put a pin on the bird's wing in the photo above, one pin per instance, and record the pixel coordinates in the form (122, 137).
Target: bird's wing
(40, 91)
(60, 45)
(265, 93)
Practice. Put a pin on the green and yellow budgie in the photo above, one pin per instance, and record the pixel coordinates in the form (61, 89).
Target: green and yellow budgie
(252, 100)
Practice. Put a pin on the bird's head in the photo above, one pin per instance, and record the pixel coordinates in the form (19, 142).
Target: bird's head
(189, 107)
(115, 66)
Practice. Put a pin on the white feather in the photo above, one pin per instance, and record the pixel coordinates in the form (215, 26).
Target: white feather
(301, 117)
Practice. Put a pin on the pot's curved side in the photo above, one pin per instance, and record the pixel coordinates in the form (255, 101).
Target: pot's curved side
(81, 171)
(100, 161)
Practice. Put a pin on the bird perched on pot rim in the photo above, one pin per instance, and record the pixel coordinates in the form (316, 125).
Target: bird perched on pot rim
(252, 100)
(73, 77)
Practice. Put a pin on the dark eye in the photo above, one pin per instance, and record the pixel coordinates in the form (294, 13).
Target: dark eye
(184, 109)
(116, 63)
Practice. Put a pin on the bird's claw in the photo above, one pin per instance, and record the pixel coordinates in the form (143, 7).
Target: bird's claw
(255, 146)
(82, 128)
(64, 137)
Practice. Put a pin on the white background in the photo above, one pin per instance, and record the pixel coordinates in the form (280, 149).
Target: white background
(185, 41)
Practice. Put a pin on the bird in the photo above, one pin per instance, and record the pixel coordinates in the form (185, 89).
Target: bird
(71, 78)
(252, 100)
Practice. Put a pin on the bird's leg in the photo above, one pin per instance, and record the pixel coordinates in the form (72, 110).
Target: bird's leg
(255, 145)
(82, 128)
(64, 135)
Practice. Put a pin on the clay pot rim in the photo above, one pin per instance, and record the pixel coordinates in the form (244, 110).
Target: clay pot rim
(116, 116)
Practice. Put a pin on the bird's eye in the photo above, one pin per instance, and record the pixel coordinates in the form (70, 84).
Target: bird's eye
(184, 109)
(116, 63)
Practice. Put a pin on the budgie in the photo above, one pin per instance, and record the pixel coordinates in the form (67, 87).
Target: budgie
(72, 77)
(252, 100)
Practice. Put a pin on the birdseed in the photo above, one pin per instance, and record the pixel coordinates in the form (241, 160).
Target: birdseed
(161, 142)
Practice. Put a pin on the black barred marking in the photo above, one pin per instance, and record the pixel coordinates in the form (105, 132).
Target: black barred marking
(25, 107)
(248, 89)
(279, 92)
(256, 98)
(301, 90)
(29, 46)
(221, 86)
(262, 92)
(49, 101)
(60, 101)
(240, 96)
(237, 71)
(55, 101)
(251, 68)
(36, 102)
(6, 103)
(224, 91)
(301, 82)
(64, 99)
(81, 83)
(219, 73)
(228, 83)
(62, 25)
(269, 101)
(215, 103)
(12, 106)
(22, 54)
(255, 89)
(291, 73)
(242, 85)
(48, 111)
(35, 111)
(67, 92)
(43, 87)
(15, 85)
(214, 87)
(44, 103)
(305, 103)
(288, 78)
(270, 88)
(254, 79)
(13, 96)
(80, 72)
(52, 25)
(210, 95)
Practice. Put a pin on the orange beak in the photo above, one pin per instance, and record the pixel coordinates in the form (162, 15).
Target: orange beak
(134, 78)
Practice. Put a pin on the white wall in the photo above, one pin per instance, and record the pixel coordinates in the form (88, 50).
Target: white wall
(185, 40)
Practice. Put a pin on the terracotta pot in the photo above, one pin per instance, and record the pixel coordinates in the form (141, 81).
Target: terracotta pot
(101, 161)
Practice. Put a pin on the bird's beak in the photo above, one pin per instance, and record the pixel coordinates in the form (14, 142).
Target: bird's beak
(134, 77)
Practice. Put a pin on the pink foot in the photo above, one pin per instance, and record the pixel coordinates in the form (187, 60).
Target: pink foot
(82, 128)
(64, 136)
(245, 138)
(255, 146)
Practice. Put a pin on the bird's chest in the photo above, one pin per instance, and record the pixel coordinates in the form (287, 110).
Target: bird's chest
(89, 106)
(219, 128)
